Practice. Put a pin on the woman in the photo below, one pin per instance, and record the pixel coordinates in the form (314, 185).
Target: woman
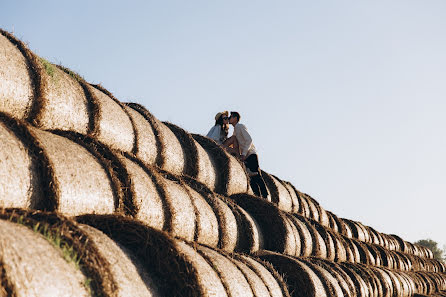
(219, 132)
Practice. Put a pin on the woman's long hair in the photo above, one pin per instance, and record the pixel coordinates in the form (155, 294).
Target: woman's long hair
(224, 128)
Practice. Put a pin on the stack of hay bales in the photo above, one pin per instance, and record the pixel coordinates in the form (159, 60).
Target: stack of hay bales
(140, 207)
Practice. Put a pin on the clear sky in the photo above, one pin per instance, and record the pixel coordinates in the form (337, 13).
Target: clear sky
(345, 99)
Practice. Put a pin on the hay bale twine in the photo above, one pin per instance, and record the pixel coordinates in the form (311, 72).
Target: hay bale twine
(129, 275)
(146, 142)
(198, 164)
(329, 281)
(279, 234)
(113, 125)
(83, 185)
(270, 277)
(306, 239)
(293, 194)
(176, 267)
(17, 76)
(300, 279)
(64, 105)
(22, 269)
(231, 275)
(285, 201)
(231, 177)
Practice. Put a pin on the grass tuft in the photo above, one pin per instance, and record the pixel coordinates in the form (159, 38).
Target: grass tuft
(49, 68)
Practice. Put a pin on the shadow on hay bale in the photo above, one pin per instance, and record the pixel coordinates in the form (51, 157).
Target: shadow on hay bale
(178, 268)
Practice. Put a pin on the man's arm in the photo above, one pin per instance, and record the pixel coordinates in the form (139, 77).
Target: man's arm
(246, 140)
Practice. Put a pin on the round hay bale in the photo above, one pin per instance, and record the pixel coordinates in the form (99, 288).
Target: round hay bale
(364, 255)
(385, 257)
(180, 211)
(231, 276)
(300, 279)
(362, 288)
(312, 206)
(285, 201)
(329, 281)
(399, 242)
(385, 280)
(88, 173)
(349, 252)
(407, 263)
(149, 205)
(270, 277)
(72, 242)
(346, 227)
(357, 231)
(323, 216)
(278, 233)
(250, 239)
(198, 164)
(231, 177)
(176, 267)
(377, 238)
(17, 77)
(340, 226)
(21, 263)
(319, 248)
(365, 276)
(170, 157)
(405, 284)
(328, 240)
(33, 184)
(146, 143)
(331, 222)
(347, 285)
(64, 105)
(227, 224)
(130, 277)
(113, 125)
(375, 254)
(349, 244)
(306, 239)
(340, 254)
(294, 199)
(304, 207)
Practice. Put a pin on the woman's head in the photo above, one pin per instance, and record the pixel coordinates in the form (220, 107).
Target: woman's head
(222, 118)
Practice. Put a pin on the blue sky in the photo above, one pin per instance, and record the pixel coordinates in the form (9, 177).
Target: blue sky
(345, 99)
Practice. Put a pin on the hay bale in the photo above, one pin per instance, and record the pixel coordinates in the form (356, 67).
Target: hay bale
(113, 125)
(146, 142)
(170, 157)
(319, 248)
(365, 279)
(231, 177)
(294, 198)
(250, 238)
(198, 164)
(345, 281)
(278, 232)
(340, 254)
(71, 241)
(21, 263)
(328, 240)
(149, 205)
(227, 224)
(346, 227)
(175, 266)
(270, 277)
(330, 283)
(128, 273)
(17, 77)
(231, 276)
(285, 202)
(385, 280)
(350, 245)
(300, 279)
(364, 255)
(375, 254)
(306, 238)
(313, 211)
(63, 103)
(331, 222)
(362, 288)
(33, 183)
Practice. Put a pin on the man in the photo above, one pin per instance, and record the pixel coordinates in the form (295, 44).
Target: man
(246, 151)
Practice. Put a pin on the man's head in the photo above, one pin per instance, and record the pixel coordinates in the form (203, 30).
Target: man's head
(234, 118)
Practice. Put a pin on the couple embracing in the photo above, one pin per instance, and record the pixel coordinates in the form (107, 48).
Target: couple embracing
(240, 145)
